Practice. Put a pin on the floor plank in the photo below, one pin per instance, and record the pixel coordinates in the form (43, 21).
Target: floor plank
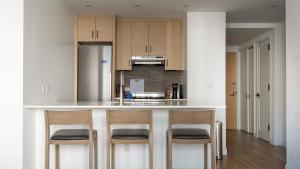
(247, 152)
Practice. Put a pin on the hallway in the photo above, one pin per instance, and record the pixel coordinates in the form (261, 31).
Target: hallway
(247, 152)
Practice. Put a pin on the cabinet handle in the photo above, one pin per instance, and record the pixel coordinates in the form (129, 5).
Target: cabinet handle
(129, 62)
(97, 33)
(146, 49)
(92, 34)
(150, 48)
(167, 62)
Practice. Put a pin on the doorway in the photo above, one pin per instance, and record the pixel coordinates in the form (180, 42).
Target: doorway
(251, 90)
(264, 86)
(231, 90)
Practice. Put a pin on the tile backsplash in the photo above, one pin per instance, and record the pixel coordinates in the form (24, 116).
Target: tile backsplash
(157, 79)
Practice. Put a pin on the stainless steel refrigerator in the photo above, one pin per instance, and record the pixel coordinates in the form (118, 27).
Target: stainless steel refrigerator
(94, 72)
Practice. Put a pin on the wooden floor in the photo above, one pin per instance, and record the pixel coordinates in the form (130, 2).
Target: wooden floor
(247, 152)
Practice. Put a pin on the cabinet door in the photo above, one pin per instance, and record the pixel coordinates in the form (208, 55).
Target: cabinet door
(86, 29)
(123, 45)
(156, 38)
(173, 45)
(104, 29)
(140, 39)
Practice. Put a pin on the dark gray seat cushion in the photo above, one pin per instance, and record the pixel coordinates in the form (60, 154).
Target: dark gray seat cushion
(130, 134)
(72, 134)
(189, 133)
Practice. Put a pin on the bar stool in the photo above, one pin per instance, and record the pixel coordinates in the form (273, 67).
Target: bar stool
(191, 135)
(128, 136)
(70, 136)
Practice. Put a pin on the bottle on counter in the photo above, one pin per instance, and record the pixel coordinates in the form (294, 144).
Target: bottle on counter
(168, 93)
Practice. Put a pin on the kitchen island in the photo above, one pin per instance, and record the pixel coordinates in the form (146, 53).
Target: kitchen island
(127, 156)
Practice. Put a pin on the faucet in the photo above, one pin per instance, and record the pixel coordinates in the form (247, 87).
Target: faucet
(121, 88)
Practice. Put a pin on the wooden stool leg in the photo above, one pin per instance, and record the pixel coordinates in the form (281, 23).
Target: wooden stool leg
(167, 152)
(169, 160)
(57, 156)
(205, 156)
(96, 152)
(90, 155)
(213, 143)
(108, 154)
(150, 155)
(47, 156)
(112, 156)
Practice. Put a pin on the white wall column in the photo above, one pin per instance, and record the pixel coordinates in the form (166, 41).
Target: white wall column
(292, 83)
(11, 86)
(206, 50)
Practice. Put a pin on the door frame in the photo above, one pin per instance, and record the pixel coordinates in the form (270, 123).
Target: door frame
(258, 84)
(255, 44)
(235, 52)
(277, 66)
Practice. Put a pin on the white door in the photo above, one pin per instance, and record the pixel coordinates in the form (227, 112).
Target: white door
(243, 91)
(264, 90)
(250, 90)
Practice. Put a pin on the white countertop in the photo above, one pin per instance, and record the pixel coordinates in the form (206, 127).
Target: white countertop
(126, 105)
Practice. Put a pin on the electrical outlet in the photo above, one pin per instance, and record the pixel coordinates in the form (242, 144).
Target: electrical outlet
(45, 89)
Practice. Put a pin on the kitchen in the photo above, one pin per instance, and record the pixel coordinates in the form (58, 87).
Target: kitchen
(150, 52)
(57, 86)
(147, 56)
(40, 68)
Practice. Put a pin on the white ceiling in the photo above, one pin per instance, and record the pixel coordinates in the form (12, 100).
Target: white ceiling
(237, 10)
(239, 36)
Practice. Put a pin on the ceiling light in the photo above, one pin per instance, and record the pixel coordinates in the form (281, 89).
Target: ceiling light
(88, 5)
(137, 6)
(274, 6)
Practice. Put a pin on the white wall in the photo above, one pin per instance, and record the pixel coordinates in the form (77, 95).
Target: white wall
(11, 88)
(48, 60)
(292, 83)
(206, 56)
(206, 50)
(48, 50)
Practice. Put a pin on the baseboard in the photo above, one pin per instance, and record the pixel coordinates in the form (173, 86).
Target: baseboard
(289, 166)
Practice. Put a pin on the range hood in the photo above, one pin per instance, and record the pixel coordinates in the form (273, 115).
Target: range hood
(148, 60)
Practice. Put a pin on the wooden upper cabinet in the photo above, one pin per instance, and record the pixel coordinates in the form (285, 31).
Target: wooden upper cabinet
(94, 29)
(173, 46)
(140, 39)
(86, 29)
(156, 39)
(104, 29)
(123, 45)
